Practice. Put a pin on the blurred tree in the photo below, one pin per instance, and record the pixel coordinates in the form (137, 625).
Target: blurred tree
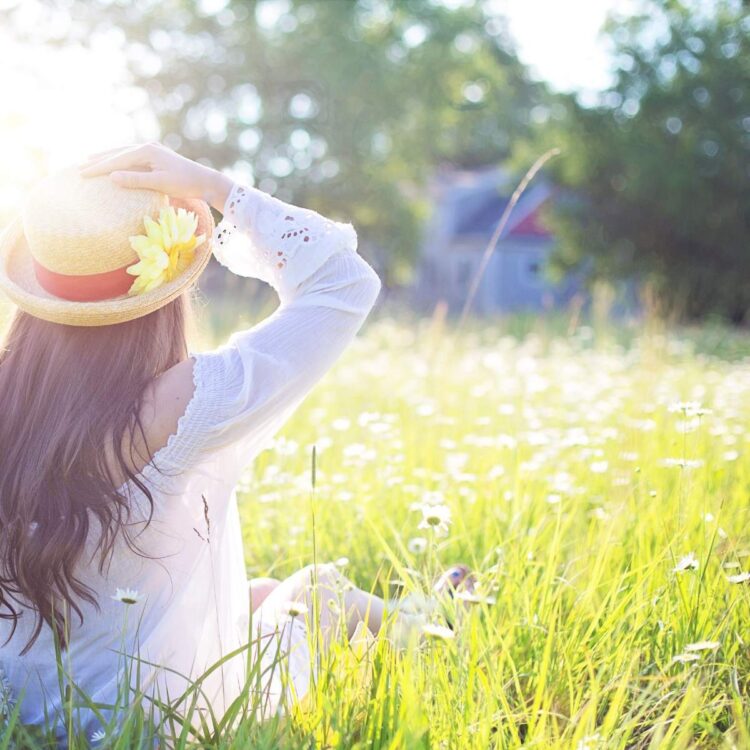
(660, 168)
(344, 106)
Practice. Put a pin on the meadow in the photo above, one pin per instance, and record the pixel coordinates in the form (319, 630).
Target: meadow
(597, 481)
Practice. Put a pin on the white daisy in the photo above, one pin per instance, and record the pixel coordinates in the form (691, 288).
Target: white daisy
(688, 562)
(436, 517)
(127, 596)
(294, 609)
(471, 597)
(689, 408)
(417, 545)
(589, 742)
(438, 632)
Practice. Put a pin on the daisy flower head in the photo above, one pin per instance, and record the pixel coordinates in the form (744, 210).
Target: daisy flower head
(166, 250)
(437, 632)
(417, 545)
(436, 517)
(590, 742)
(688, 562)
(127, 596)
(689, 408)
(295, 609)
(471, 597)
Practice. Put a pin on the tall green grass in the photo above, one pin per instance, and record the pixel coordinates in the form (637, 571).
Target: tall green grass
(599, 484)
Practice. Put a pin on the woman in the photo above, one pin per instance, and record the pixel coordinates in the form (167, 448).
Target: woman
(120, 448)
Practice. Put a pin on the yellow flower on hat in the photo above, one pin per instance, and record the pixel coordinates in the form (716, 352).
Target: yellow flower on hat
(166, 250)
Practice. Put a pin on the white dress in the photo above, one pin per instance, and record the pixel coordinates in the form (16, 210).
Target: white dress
(193, 604)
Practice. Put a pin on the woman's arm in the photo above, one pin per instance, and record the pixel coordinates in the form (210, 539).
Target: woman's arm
(242, 392)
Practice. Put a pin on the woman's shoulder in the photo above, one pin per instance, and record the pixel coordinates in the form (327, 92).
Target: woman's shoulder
(165, 402)
(185, 403)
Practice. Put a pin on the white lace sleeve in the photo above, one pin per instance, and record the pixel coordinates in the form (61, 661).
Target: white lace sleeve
(261, 236)
(247, 388)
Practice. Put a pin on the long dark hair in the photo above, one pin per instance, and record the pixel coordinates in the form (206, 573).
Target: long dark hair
(66, 392)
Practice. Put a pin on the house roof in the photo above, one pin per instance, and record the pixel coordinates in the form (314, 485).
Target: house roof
(477, 211)
(531, 226)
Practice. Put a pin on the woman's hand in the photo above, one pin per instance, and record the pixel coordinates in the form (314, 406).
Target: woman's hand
(156, 167)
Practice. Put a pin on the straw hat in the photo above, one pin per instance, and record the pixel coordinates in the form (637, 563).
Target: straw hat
(64, 258)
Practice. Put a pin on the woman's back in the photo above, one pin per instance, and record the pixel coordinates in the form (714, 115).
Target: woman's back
(204, 418)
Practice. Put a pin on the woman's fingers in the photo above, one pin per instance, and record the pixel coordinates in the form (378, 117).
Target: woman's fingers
(109, 152)
(157, 167)
(93, 159)
(137, 156)
(147, 180)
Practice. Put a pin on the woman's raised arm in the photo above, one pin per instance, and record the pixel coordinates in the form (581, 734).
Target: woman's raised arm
(242, 392)
(326, 290)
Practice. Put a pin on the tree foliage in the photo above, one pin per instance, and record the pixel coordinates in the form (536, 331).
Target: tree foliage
(348, 106)
(660, 169)
(344, 106)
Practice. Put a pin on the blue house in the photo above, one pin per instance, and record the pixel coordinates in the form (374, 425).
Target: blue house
(467, 206)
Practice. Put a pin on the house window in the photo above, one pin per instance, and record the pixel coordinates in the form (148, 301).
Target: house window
(530, 271)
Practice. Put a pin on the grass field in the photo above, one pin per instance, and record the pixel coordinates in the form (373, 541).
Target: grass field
(598, 483)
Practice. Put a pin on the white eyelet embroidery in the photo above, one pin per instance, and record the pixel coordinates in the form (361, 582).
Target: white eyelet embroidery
(278, 231)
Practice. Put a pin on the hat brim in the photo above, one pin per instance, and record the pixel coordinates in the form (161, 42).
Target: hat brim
(19, 282)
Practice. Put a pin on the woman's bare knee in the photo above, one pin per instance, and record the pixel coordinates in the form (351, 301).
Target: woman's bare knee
(259, 589)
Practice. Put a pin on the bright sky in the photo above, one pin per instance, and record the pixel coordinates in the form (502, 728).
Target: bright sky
(559, 39)
(60, 105)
